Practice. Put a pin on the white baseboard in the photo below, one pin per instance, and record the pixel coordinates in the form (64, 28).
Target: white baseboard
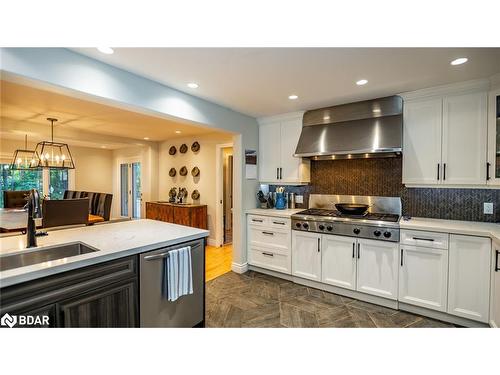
(239, 268)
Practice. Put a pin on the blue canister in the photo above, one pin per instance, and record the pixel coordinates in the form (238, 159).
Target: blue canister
(280, 201)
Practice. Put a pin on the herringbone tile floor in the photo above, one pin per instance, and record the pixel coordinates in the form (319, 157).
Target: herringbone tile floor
(257, 300)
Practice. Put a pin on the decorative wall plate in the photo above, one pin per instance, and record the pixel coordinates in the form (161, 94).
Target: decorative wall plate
(172, 172)
(172, 150)
(195, 195)
(183, 171)
(183, 149)
(195, 172)
(195, 147)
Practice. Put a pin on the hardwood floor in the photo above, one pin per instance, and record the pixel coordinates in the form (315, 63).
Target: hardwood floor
(258, 300)
(218, 261)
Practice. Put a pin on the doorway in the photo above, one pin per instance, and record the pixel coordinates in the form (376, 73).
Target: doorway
(130, 189)
(227, 193)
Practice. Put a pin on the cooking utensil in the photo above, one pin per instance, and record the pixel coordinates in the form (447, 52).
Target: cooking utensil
(195, 147)
(183, 171)
(261, 197)
(352, 208)
(172, 172)
(195, 172)
(172, 150)
(183, 149)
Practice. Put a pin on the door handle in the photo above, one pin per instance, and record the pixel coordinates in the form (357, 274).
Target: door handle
(277, 173)
(353, 251)
(319, 245)
(281, 173)
(358, 251)
(497, 268)
(488, 171)
(438, 173)
(268, 233)
(401, 257)
(444, 171)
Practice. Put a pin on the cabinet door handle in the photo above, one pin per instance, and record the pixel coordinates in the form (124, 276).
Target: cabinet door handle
(497, 268)
(268, 254)
(359, 252)
(268, 233)
(444, 171)
(277, 173)
(438, 173)
(319, 244)
(488, 171)
(423, 239)
(401, 257)
(353, 251)
(279, 222)
(257, 220)
(281, 173)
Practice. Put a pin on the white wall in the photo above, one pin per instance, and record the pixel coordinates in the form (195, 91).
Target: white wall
(93, 165)
(205, 160)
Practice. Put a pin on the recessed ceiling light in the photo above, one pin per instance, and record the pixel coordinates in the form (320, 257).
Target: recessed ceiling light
(146, 138)
(193, 85)
(178, 132)
(293, 97)
(459, 61)
(361, 82)
(106, 50)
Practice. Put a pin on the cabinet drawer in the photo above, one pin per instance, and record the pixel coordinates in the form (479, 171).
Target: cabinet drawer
(270, 260)
(258, 220)
(270, 238)
(434, 240)
(279, 222)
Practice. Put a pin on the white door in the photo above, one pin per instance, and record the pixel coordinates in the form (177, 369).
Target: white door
(306, 255)
(465, 139)
(269, 152)
(423, 277)
(422, 141)
(495, 288)
(494, 138)
(469, 277)
(290, 165)
(338, 260)
(378, 268)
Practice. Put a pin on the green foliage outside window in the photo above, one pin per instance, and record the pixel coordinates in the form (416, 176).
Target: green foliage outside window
(13, 179)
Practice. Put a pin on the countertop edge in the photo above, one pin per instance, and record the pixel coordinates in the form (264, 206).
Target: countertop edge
(273, 212)
(99, 257)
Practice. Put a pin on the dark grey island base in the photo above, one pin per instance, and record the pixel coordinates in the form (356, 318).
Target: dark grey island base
(103, 295)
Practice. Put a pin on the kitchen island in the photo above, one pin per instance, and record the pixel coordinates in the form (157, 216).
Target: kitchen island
(74, 290)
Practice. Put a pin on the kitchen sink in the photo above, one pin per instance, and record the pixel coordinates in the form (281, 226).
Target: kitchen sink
(45, 254)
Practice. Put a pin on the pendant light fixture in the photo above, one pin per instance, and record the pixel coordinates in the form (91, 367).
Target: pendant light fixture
(24, 158)
(50, 154)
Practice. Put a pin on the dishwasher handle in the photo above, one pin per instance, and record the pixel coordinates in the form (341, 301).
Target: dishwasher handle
(164, 254)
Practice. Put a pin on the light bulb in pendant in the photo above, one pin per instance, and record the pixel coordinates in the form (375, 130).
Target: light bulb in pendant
(47, 156)
(57, 159)
(63, 157)
(19, 160)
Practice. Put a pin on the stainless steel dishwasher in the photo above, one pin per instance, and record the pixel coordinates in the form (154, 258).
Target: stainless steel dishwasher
(156, 310)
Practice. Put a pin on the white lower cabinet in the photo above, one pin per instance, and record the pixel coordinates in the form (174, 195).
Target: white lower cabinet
(469, 277)
(306, 255)
(423, 277)
(338, 261)
(495, 287)
(377, 268)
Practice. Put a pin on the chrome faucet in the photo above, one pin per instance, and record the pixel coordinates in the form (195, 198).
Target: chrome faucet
(34, 212)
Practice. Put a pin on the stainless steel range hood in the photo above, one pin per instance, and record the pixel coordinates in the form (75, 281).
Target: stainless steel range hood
(372, 128)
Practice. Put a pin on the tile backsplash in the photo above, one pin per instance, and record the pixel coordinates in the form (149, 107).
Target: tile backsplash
(382, 177)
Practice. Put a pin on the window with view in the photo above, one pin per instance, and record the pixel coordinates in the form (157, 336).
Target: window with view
(12, 179)
(58, 183)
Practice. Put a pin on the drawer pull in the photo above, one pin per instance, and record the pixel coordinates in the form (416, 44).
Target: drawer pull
(268, 233)
(423, 239)
(497, 268)
(279, 222)
(257, 220)
(268, 254)
(401, 257)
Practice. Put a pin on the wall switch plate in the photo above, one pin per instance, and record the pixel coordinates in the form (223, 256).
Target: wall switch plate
(488, 208)
(299, 199)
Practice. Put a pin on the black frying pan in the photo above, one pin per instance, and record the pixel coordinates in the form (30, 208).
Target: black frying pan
(352, 208)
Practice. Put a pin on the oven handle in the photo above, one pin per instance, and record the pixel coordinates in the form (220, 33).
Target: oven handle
(164, 254)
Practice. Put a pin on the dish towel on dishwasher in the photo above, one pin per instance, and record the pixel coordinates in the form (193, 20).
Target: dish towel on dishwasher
(177, 274)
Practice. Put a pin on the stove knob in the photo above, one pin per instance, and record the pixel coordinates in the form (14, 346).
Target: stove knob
(329, 228)
(387, 234)
(298, 225)
(321, 227)
(377, 233)
(356, 230)
(305, 226)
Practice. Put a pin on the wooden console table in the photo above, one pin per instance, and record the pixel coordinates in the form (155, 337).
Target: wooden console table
(191, 215)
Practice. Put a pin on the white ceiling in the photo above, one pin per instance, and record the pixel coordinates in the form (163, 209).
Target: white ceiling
(24, 110)
(258, 81)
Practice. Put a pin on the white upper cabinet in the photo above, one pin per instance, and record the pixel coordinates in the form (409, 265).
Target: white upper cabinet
(422, 141)
(494, 138)
(469, 277)
(465, 139)
(278, 138)
(445, 135)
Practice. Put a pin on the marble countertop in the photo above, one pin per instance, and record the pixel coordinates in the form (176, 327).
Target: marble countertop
(471, 228)
(274, 212)
(114, 240)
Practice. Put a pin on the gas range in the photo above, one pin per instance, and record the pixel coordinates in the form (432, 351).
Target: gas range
(380, 223)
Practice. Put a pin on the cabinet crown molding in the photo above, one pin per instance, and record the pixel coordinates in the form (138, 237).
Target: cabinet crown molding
(281, 117)
(449, 89)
